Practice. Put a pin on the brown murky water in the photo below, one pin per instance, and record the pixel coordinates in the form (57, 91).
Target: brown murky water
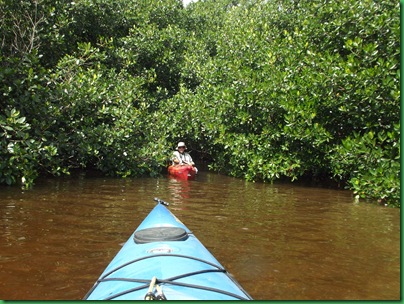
(281, 242)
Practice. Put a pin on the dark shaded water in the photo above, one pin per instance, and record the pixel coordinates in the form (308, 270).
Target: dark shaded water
(281, 242)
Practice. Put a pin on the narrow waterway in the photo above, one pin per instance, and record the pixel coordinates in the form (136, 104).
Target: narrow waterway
(280, 241)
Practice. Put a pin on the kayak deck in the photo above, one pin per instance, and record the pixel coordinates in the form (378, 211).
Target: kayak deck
(182, 171)
(164, 257)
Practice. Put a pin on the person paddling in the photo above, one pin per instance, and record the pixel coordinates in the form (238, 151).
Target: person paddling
(180, 157)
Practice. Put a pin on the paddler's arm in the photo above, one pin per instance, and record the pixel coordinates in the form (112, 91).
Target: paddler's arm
(175, 158)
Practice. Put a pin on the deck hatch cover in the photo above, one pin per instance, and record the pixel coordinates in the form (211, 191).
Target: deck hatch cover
(160, 234)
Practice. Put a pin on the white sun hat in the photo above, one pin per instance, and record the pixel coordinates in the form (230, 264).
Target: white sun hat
(181, 144)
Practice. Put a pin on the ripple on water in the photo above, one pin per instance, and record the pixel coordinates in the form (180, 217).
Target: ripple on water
(280, 241)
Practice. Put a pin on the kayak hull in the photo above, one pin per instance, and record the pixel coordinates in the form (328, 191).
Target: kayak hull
(182, 171)
(165, 249)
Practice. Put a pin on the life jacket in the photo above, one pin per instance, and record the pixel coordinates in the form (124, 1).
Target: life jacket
(182, 157)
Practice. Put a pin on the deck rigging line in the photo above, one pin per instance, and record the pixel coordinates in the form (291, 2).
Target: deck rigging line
(170, 281)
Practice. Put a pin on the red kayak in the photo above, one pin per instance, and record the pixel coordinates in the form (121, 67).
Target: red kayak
(182, 171)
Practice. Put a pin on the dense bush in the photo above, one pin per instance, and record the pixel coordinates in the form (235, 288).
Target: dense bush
(290, 83)
(264, 89)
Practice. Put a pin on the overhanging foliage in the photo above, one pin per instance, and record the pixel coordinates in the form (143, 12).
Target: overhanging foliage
(265, 89)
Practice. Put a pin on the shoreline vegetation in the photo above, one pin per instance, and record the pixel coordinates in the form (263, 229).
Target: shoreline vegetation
(263, 90)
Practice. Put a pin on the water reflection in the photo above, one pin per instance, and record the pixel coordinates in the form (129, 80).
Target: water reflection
(179, 189)
(280, 241)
